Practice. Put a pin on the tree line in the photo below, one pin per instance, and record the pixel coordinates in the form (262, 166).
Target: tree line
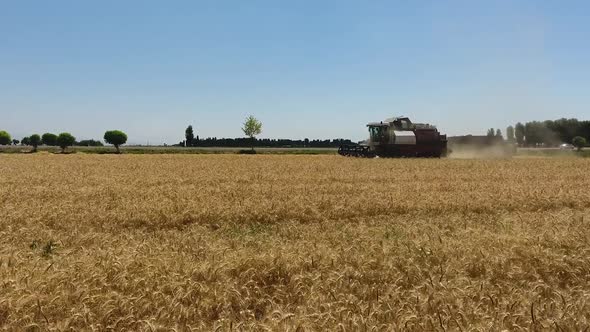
(550, 132)
(63, 140)
(251, 128)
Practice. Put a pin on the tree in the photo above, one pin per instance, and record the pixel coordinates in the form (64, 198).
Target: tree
(565, 129)
(537, 133)
(190, 135)
(35, 140)
(510, 134)
(498, 133)
(116, 138)
(26, 141)
(49, 139)
(5, 138)
(519, 133)
(64, 140)
(584, 129)
(252, 128)
(491, 132)
(579, 142)
(15, 142)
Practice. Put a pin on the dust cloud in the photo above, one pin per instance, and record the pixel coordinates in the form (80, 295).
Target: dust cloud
(466, 151)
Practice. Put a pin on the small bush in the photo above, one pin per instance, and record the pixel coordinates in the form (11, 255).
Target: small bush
(579, 142)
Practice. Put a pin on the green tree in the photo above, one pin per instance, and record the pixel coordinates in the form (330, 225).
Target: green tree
(579, 142)
(498, 133)
(565, 129)
(64, 140)
(26, 141)
(491, 132)
(584, 129)
(537, 133)
(519, 133)
(189, 135)
(49, 139)
(15, 142)
(510, 134)
(35, 140)
(252, 128)
(5, 138)
(116, 138)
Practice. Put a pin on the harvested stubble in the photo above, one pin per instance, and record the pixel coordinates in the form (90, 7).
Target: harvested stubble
(293, 243)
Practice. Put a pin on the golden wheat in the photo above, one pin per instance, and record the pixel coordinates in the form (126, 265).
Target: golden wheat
(225, 242)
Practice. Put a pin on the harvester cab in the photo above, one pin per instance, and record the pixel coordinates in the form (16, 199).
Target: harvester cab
(378, 132)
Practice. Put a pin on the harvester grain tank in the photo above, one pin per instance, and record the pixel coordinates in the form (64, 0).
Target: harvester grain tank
(399, 137)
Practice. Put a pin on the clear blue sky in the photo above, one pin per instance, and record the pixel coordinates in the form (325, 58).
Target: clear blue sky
(317, 69)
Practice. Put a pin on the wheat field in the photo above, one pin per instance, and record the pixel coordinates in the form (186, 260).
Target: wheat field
(293, 243)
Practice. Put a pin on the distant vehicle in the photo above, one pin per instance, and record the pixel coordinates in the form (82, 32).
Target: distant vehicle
(566, 146)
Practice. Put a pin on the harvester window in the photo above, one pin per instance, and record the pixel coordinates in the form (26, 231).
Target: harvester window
(405, 124)
(376, 133)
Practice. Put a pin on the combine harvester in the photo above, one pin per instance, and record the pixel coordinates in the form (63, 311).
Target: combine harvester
(399, 137)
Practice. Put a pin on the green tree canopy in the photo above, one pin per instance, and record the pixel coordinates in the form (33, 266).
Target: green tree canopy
(252, 128)
(519, 133)
(579, 142)
(189, 135)
(5, 138)
(35, 140)
(116, 138)
(64, 140)
(49, 139)
(537, 133)
(566, 129)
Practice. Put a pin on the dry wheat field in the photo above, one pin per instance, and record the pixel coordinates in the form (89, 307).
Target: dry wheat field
(293, 243)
